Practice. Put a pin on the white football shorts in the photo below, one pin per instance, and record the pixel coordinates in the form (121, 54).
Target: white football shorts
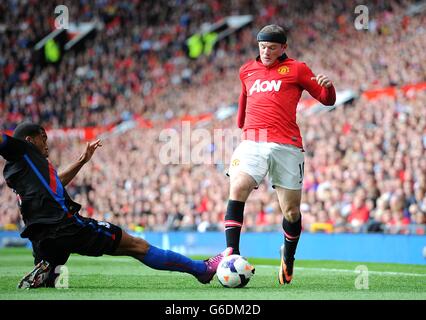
(283, 162)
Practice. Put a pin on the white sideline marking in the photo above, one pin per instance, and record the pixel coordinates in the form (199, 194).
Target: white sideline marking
(387, 273)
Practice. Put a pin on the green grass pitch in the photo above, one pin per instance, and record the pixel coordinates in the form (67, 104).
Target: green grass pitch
(125, 278)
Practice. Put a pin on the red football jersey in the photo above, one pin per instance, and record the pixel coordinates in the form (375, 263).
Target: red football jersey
(269, 98)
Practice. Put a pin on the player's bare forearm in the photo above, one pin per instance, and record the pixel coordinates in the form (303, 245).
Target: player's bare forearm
(68, 174)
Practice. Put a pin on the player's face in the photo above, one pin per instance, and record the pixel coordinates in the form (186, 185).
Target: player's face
(40, 141)
(270, 52)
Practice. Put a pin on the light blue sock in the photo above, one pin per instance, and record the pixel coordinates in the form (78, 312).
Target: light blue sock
(159, 259)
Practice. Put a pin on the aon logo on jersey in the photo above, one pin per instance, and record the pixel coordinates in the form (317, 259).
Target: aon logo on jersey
(265, 86)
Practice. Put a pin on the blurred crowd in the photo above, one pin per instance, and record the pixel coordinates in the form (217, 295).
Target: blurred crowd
(137, 63)
(364, 173)
(368, 170)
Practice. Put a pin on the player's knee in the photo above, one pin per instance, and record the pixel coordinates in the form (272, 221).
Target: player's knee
(239, 194)
(292, 213)
(240, 189)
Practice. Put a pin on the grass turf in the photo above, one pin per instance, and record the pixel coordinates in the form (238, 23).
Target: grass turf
(125, 278)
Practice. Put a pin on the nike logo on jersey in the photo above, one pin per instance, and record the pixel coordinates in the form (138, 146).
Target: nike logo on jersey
(251, 73)
(265, 86)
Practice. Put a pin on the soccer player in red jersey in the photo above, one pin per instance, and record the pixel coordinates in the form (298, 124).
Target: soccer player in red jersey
(271, 88)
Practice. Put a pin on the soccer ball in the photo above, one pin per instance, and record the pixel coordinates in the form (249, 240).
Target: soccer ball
(234, 271)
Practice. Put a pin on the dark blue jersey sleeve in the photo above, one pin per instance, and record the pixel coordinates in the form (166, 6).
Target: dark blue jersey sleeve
(12, 149)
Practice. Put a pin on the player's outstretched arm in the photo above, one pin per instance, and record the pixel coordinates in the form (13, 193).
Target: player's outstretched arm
(69, 173)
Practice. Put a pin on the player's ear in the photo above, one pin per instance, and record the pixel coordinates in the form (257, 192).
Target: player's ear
(29, 139)
(284, 46)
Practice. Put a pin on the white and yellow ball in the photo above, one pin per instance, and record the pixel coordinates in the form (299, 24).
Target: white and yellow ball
(234, 271)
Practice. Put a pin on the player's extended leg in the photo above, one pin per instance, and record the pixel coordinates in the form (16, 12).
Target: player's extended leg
(160, 259)
(292, 224)
(241, 186)
(93, 238)
(249, 166)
